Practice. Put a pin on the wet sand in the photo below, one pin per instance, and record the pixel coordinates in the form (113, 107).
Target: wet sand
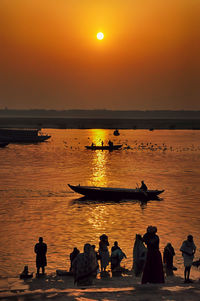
(88, 123)
(125, 288)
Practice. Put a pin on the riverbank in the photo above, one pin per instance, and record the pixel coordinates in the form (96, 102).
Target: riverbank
(88, 123)
(117, 288)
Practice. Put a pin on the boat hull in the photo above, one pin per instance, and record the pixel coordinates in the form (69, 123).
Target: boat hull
(106, 147)
(115, 193)
(21, 136)
(24, 139)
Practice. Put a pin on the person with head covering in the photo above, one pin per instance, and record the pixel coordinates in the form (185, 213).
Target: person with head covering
(168, 256)
(103, 252)
(188, 249)
(153, 269)
(116, 256)
(85, 266)
(139, 255)
(41, 260)
(73, 256)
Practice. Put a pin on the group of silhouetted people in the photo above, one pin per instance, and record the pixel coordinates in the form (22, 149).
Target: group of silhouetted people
(147, 259)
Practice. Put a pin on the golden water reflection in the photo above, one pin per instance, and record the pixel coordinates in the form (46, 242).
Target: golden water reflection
(99, 158)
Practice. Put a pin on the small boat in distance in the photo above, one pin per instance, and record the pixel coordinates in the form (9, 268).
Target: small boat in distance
(10, 135)
(108, 193)
(104, 147)
(116, 133)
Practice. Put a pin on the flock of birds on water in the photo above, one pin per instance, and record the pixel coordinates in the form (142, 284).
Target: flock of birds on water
(143, 146)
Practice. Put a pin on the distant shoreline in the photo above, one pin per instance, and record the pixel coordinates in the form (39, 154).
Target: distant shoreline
(99, 123)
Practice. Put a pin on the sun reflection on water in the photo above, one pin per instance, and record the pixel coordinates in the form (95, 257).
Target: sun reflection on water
(99, 160)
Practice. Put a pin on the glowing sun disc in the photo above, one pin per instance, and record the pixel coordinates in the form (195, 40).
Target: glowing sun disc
(100, 35)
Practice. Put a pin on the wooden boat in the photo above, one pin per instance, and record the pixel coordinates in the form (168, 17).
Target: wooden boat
(104, 147)
(22, 135)
(3, 144)
(94, 192)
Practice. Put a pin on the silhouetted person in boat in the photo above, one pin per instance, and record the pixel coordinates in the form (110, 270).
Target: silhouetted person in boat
(92, 144)
(143, 186)
(110, 143)
(103, 252)
(139, 255)
(116, 256)
(73, 256)
(188, 249)
(153, 269)
(168, 256)
(102, 143)
(41, 260)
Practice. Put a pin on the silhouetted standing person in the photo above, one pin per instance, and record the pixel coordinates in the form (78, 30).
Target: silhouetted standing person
(153, 269)
(139, 255)
(73, 256)
(188, 249)
(41, 260)
(103, 252)
(168, 256)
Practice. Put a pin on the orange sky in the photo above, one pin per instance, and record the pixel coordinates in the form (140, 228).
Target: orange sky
(149, 59)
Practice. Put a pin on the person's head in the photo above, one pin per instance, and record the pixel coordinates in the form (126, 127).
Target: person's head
(142, 182)
(25, 268)
(87, 248)
(151, 229)
(75, 249)
(190, 238)
(40, 239)
(115, 243)
(104, 237)
(93, 247)
(138, 236)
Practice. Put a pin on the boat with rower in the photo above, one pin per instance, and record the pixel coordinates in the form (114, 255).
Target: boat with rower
(15, 135)
(104, 147)
(95, 192)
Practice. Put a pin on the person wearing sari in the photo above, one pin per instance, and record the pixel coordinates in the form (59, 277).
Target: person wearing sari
(85, 266)
(103, 252)
(153, 269)
(139, 255)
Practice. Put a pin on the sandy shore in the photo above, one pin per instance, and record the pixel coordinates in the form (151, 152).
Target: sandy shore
(126, 288)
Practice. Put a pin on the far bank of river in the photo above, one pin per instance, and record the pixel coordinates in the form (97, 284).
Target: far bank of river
(88, 123)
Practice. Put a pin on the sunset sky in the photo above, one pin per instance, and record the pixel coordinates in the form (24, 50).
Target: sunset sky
(149, 58)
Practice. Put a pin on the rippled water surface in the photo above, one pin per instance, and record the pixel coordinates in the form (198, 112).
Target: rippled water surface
(36, 201)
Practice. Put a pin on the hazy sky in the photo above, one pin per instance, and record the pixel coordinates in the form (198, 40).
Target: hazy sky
(149, 59)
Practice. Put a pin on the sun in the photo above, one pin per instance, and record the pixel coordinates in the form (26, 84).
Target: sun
(100, 35)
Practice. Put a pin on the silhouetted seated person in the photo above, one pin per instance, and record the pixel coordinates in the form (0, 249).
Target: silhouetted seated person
(85, 266)
(92, 145)
(139, 255)
(143, 186)
(41, 260)
(168, 256)
(73, 256)
(25, 274)
(116, 257)
(110, 144)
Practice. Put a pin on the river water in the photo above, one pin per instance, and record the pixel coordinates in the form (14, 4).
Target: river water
(36, 201)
